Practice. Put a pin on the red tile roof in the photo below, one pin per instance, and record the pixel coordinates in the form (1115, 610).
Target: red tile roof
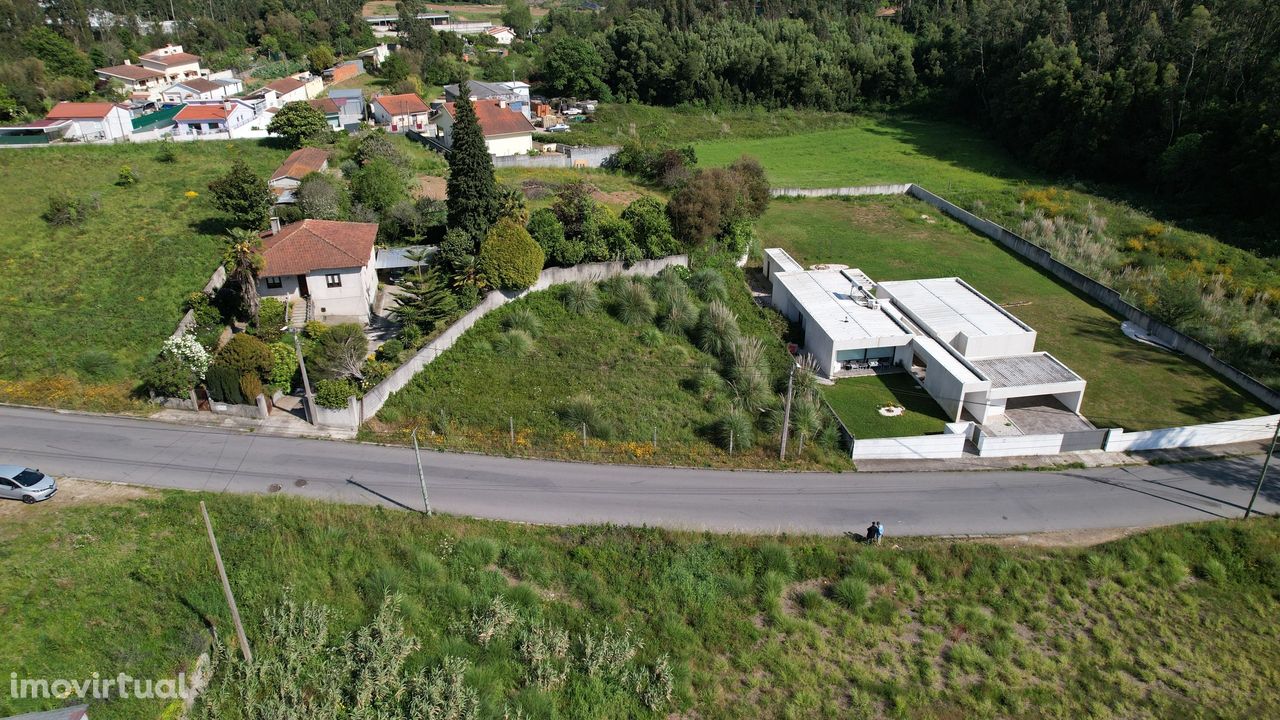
(201, 113)
(79, 111)
(301, 163)
(407, 104)
(324, 105)
(496, 120)
(131, 72)
(284, 86)
(309, 245)
(181, 58)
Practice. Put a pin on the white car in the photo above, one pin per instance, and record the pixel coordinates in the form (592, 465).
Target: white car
(23, 483)
(573, 111)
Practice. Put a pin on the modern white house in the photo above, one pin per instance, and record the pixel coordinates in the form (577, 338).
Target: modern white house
(515, 93)
(212, 117)
(376, 55)
(971, 355)
(174, 63)
(197, 89)
(402, 112)
(326, 263)
(93, 121)
(505, 132)
(300, 163)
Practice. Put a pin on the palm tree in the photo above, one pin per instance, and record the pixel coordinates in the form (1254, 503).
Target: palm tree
(243, 260)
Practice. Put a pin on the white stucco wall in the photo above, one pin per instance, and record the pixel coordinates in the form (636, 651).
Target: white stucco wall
(509, 145)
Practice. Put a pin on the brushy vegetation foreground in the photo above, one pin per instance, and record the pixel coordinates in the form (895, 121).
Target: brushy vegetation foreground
(491, 619)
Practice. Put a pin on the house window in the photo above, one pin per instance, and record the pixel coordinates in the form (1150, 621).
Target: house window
(274, 282)
(333, 280)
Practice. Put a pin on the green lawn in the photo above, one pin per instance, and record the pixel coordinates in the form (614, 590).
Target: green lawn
(1159, 625)
(858, 401)
(615, 123)
(1131, 385)
(640, 381)
(116, 284)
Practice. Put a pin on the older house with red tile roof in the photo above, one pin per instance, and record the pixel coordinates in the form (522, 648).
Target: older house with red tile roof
(506, 130)
(136, 79)
(93, 121)
(301, 163)
(402, 112)
(327, 262)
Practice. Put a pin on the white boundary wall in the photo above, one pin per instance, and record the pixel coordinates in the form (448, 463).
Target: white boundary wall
(901, 189)
(1018, 445)
(377, 396)
(932, 447)
(1223, 433)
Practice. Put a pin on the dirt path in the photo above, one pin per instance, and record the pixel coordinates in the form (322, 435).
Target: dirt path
(77, 492)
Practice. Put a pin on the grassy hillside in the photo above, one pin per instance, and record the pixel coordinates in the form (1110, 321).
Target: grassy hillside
(115, 285)
(1177, 622)
(899, 238)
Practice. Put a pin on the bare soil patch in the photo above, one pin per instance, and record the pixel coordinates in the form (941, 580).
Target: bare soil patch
(1063, 538)
(77, 492)
(618, 198)
(432, 187)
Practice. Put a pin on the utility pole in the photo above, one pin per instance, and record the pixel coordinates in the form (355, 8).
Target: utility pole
(308, 398)
(422, 478)
(786, 413)
(226, 588)
(1263, 476)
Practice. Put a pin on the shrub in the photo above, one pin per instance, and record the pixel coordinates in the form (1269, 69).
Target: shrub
(717, 329)
(509, 258)
(632, 304)
(284, 363)
(166, 153)
(1170, 569)
(734, 429)
(223, 383)
(63, 210)
(333, 394)
(247, 354)
(187, 350)
(391, 350)
(850, 592)
(169, 376)
(271, 318)
(547, 230)
(650, 337)
(580, 298)
(314, 330)
(514, 342)
(776, 557)
(708, 284)
(243, 195)
(1213, 571)
(872, 572)
(522, 318)
(341, 352)
(250, 387)
(651, 227)
(582, 409)
(126, 177)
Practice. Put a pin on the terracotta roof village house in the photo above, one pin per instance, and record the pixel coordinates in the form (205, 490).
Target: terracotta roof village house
(332, 111)
(131, 72)
(90, 121)
(199, 118)
(169, 59)
(402, 112)
(326, 262)
(506, 131)
(284, 86)
(286, 179)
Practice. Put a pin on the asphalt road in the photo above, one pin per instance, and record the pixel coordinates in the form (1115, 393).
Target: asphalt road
(159, 454)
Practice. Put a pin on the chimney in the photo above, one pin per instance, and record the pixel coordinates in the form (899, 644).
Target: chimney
(275, 224)
(128, 61)
(502, 104)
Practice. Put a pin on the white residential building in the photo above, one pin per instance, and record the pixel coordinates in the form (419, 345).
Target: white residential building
(216, 117)
(506, 132)
(93, 122)
(329, 263)
(402, 112)
(502, 34)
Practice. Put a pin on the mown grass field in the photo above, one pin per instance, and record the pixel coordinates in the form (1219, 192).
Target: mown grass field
(1130, 385)
(858, 401)
(640, 380)
(1176, 622)
(116, 284)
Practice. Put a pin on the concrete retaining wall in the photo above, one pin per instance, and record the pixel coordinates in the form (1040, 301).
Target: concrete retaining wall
(842, 191)
(1223, 433)
(345, 418)
(377, 396)
(216, 281)
(933, 447)
(589, 157)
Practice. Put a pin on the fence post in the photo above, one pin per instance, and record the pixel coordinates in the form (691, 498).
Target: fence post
(512, 422)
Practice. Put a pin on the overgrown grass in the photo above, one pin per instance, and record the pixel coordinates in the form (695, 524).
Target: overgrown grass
(858, 400)
(912, 628)
(551, 362)
(614, 124)
(115, 284)
(540, 184)
(896, 238)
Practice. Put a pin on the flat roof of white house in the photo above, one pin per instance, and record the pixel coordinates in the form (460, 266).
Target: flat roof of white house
(785, 262)
(1022, 370)
(826, 296)
(950, 306)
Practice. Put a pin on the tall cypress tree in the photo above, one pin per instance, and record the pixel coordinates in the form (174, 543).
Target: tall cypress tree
(473, 193)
